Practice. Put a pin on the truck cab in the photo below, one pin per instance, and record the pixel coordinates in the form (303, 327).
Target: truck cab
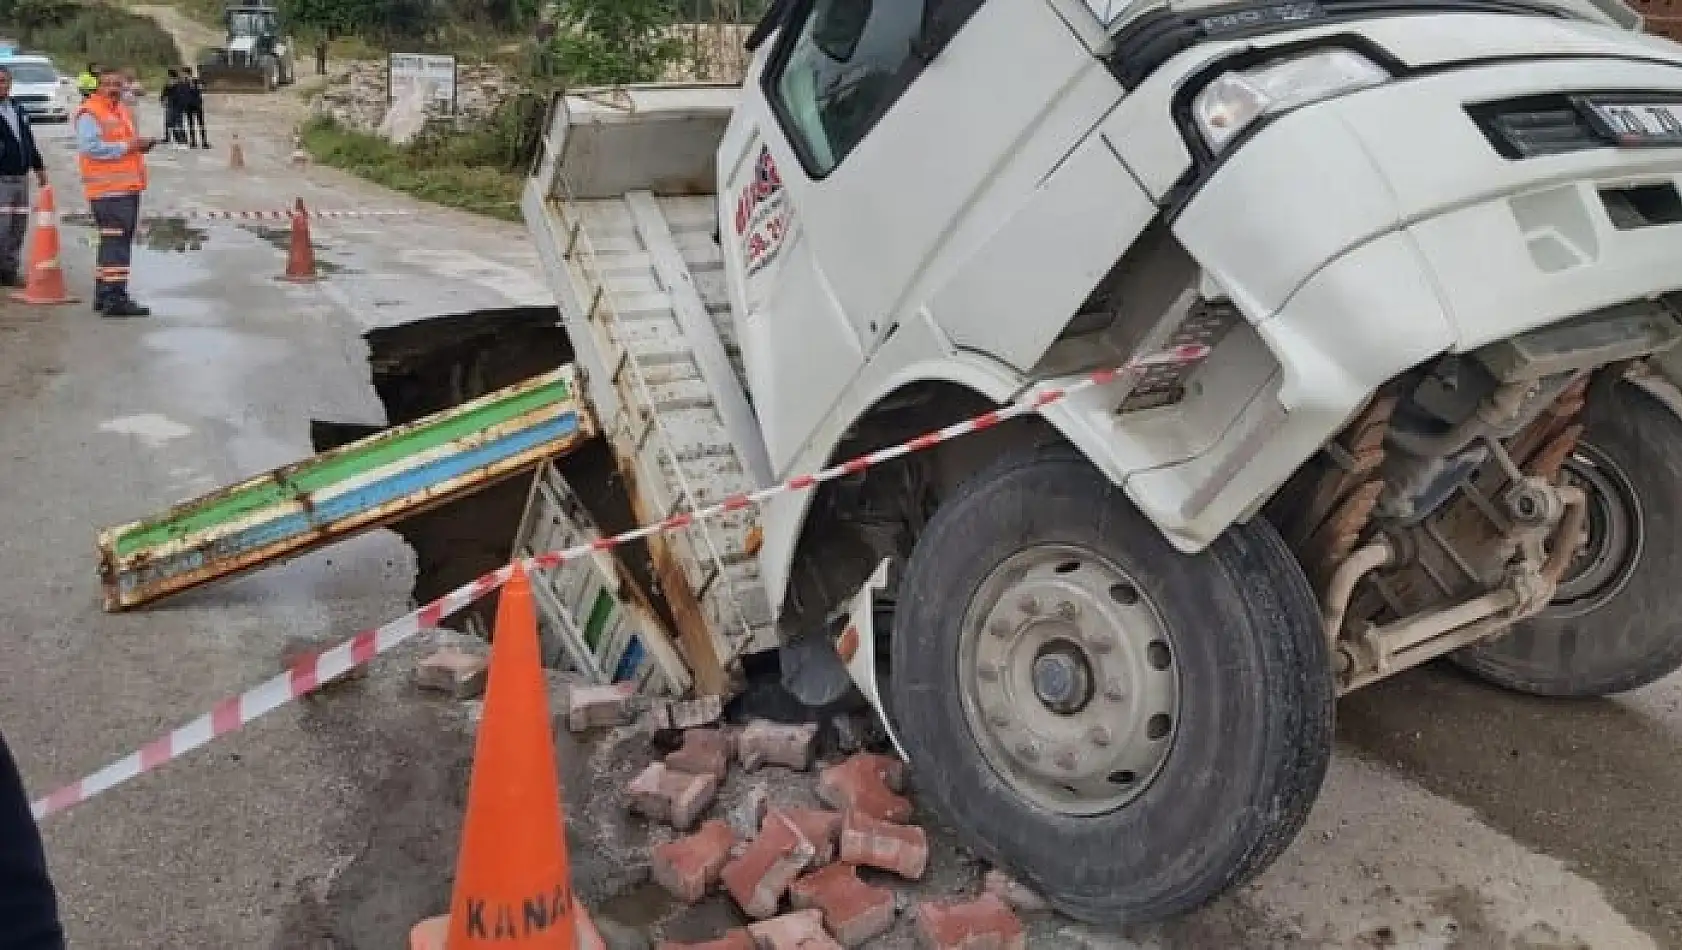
(1350, 331)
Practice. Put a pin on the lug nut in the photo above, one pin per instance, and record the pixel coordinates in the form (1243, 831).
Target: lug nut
(1113, 691)
(1068, 610)
(1030, 606)
(1099, 736)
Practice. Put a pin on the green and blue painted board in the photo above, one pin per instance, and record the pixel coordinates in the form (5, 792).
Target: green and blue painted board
(345, 491)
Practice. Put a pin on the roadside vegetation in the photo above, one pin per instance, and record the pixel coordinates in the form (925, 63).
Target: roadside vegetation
(75, 34)
(479, 170)
(480, 167)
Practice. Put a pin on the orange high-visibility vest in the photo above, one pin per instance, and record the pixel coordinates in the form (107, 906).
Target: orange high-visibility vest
(117, 176)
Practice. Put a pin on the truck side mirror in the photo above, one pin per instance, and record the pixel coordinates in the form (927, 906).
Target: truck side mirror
(838, 25)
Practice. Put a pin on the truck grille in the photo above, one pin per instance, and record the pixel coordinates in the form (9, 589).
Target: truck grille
(1535, 126)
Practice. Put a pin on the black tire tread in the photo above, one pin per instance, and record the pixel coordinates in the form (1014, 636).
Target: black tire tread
(1644, 437)
(1256, 571)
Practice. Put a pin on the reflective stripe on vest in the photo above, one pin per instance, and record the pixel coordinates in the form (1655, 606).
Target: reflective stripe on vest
(117, 176)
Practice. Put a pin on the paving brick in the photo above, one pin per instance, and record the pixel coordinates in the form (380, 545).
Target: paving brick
(683, 714)
(765, 870)
(590, 707)
(703, 750)
(1020, 897)
(299, 648)
(802, 930)
(822, 828)
(985, 923)
(866, 783)
(902, 849)
(676, 798)
(735, 939)
(852, 910)
(771, 743)
(688, 866)
(449, 670)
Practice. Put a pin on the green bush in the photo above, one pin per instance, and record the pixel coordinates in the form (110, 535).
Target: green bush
(77, 34)
(473, 170)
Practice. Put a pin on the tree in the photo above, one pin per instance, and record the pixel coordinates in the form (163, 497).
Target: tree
(614, 41)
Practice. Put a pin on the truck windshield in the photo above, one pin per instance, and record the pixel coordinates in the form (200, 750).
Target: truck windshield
(248, 23)
(32, 72)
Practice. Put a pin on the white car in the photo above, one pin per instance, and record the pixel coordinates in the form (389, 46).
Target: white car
(38, 87)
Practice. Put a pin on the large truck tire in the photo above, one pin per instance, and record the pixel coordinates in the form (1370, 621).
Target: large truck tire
(1130, 730)
(1616, 622)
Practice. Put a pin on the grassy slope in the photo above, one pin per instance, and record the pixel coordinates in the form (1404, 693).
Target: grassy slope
(478, 188)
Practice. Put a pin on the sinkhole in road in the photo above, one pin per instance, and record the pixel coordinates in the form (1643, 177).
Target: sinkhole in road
(430, 365)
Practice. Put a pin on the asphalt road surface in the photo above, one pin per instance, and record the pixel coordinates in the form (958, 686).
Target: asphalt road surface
(1455, 815)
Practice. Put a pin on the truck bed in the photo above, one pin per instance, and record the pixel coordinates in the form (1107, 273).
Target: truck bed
(620, 208)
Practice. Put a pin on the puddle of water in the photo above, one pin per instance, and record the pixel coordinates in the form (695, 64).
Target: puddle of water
(157, 234)
(281, 238)
(174, 234)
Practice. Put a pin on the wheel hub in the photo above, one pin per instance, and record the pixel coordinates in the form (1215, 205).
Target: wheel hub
(1069, 680)
(1616, 533)
(1062, 678)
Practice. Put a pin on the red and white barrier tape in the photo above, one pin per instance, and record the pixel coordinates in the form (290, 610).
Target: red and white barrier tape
(310, 673)
(273, 215)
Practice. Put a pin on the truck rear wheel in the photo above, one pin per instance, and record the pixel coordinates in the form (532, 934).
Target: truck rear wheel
(1130, 730)
(1614, 625)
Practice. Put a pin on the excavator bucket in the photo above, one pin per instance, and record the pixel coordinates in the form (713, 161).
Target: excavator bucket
(233, 79)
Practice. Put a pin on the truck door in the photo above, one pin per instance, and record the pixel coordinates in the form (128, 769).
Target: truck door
(864, 134)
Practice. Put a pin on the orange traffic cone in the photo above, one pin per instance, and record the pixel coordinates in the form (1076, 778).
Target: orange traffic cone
(300, 261)
(513, 887)
(236, 154)
(46, 272)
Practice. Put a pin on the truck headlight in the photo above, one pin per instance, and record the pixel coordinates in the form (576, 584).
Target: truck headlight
(1232, 101)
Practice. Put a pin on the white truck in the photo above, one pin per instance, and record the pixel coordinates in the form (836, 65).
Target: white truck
(1434, 250)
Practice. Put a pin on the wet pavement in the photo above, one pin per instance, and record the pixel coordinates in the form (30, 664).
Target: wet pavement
(1455, 815)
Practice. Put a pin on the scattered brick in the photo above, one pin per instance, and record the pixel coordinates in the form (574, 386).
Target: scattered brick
(854, 911)
(298, 648)
(822, 828)
(590, 707)
(703, 751)
(688, 866)
(902, 849)
(676, 798)
(802, 930)
(734, 939)
(772, 861)
(747, 812)
(770, 743)
(683, 714)
(449, 670)
(1020, 897)
(866, 783)
(982, 924)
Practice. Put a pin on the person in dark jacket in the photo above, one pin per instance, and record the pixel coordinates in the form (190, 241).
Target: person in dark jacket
(19, 157)
(192, 108)
(28, 903)
(172, 100)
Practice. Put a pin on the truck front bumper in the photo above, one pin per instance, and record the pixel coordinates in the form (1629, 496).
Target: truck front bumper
(1365, 235)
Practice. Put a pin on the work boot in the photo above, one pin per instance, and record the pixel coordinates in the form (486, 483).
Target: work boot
(9, 277)
(125, 306)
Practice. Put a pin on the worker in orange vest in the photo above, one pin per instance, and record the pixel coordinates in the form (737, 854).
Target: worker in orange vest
(113, 160)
